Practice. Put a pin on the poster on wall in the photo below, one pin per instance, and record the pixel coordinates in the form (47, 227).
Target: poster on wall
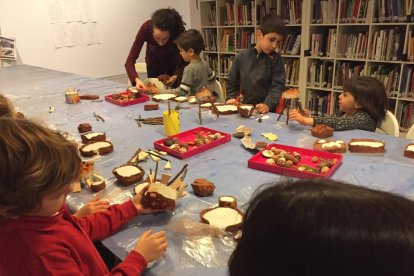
(8, 48)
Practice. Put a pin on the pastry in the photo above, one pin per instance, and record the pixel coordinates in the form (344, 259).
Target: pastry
(228, 201)
(226, 218)
(93, 136)
(163, 97)
(322, 131)
(245, 110)
(128, 174)
(409, 151)
(85, 127)
(93, 148)
(89, 97)
(366, 146)
(330, 146)
(203, 187)
(152, 106)
(160, 196)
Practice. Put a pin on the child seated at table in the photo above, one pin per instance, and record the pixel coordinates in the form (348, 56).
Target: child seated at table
(322, 227)
(257, 75)
(38, 168)
(362, 105)
(197, 74)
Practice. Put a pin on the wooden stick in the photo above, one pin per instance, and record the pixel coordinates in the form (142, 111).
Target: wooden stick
(157, 155)
(169, 108)
(175, 177)
(156, 170)
(136, 154)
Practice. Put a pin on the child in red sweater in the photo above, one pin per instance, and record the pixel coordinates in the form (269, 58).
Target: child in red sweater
(38, 235)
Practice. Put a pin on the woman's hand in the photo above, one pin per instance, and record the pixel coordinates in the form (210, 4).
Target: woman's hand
(262, 108)
(139, 85)
(151, 246)
(171, 80)
(91, 207)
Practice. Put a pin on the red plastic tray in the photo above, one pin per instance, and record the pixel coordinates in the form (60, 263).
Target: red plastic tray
(141, 99)
(258, 162)
(190, 135)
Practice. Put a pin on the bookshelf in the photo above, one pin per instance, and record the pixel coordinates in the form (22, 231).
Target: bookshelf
(359, 37)
(229, 26)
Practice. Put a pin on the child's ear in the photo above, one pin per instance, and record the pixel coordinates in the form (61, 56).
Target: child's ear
(5, 213)
(259, 34)
(191, 51)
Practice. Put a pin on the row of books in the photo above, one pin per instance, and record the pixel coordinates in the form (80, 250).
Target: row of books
(406, 117)
(291, 71)
(352, 45)
(320, 74)
(324, 11)
(393, 11)
(388, 74)
(291, 44)
(225, 64)
(354, 11)
(407, 82)
(227, 40)
(345, 70)
(245, 39)
(319, 104)
(210, 39)
(211, 15)
(386, 44)
(212, 61)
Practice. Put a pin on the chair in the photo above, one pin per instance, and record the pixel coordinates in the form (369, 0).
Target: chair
(141, 68)
(389, 125)
(410, 133)
(216, 87)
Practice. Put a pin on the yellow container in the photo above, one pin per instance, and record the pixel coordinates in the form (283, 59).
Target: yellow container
(171, 122)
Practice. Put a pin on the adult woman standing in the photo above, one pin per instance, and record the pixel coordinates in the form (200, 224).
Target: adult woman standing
(162, 55)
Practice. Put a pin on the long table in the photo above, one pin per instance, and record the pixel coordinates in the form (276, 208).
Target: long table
(34, 90)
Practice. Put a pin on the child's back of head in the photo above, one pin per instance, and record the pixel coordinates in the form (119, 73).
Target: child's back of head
(191, 39)
(6, 107)
(321, 227)
(370, 94)
(34, 160)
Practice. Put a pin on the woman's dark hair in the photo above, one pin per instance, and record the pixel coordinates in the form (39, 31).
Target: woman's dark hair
(168, 20)
(191, 39)
(272, 23)
(370, 94)
(34, 161)
(321, 227)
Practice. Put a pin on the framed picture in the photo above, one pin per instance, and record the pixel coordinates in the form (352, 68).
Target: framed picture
(8, 48)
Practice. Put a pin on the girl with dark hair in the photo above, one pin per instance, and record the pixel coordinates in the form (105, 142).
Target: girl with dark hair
(362, 105)
(162, 55)
(321, 227)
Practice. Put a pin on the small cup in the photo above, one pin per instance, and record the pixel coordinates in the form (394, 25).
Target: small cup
(171, 122)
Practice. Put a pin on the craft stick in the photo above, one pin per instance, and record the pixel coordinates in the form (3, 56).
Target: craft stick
(175, 177)
(169, 108)
(135, 156)
(157, 155)
(156, 170)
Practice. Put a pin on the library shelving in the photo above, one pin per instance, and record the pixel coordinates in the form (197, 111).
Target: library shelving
(360, 37)
(229, 26)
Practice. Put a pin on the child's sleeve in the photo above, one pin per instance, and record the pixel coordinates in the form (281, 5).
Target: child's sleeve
(211, 75)
(233, 81)
(103, 224)
(62, 263)
(360, 120)
(186, 83)
(278, 84)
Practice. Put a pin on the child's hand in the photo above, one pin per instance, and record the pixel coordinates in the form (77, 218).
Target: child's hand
(295, 115)
(231, 101)
(306, 112)
(91, 207)
(151, 246)
(262, 108)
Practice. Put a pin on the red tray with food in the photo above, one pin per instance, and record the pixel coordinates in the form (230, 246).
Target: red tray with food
(191, 142)
(295, 162)
(126, 98)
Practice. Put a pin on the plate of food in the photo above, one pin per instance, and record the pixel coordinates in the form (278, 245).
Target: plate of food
(126, 98)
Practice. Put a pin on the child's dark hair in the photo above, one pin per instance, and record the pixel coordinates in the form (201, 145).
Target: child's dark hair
(322, 227)
(272, 23)
(34, 161)
(6, 108)
(370, 94)
(168, 20)
(191, 39)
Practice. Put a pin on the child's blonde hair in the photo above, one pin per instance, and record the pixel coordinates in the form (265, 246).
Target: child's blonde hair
(34, 161)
